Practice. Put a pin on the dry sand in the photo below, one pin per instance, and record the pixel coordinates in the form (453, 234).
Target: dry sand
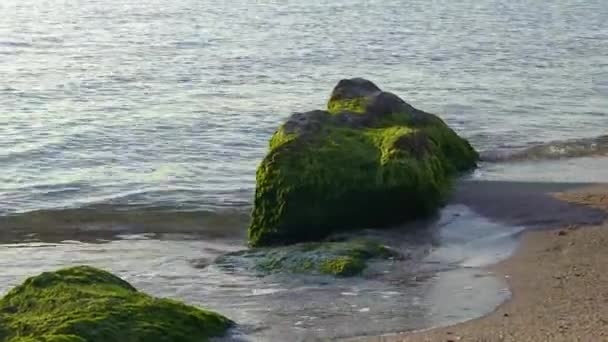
(559, 281)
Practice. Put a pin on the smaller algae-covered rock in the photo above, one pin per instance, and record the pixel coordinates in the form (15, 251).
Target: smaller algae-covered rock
(337, 258)
(370, 160)
(84, 304)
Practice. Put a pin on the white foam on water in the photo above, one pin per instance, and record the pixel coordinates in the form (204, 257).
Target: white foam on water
(264, 292)
(469, 240)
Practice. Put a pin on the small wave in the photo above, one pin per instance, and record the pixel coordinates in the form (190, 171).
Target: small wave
(565, 149)
(15, 44)
(120, 220)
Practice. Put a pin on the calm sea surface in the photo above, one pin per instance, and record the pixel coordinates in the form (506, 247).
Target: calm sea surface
(171, 103)
(126, 115)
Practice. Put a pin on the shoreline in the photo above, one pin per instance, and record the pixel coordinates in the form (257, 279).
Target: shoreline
(558, 281)
(531, 204)
(515, 203)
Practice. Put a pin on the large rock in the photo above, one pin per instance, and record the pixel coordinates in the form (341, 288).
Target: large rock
(370, 160)
(84, 304)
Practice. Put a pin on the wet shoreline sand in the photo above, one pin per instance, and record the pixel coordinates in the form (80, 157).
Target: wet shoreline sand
(559, 283)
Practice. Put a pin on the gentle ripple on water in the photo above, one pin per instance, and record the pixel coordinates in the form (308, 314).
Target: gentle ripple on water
(103, 98)
(440, 282)
(162, 106)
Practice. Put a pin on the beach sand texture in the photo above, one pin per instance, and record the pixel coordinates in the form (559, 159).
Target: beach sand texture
(559, 281)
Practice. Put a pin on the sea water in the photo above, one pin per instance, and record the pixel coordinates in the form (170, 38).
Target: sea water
(130, 133)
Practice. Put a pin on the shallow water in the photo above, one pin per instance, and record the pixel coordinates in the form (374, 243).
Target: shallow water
(441, 281)
(567, 170)
(130, 134)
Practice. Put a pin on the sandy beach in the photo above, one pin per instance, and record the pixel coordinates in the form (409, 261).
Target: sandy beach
(559, 284)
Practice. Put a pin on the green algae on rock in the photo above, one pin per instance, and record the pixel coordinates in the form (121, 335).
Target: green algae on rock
(370, 161)
(84, 304)
(337, 258)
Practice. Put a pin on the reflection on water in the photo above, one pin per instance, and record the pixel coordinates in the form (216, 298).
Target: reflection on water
(171, 103)
(440, 282)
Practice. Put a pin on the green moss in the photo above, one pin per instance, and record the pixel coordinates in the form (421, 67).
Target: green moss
(52, 338)
(350, 178)
(354, 105)
(347, 174)
(280, 137)
(342, 258)
(343, 266)
(385, 139)
(86, 304)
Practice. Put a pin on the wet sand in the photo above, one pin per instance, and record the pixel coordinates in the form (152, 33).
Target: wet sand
(531, 204)
(559, 284)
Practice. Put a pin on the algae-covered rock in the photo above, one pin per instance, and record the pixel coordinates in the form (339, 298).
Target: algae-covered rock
(84, 304)
(337, 258)
(370, 160)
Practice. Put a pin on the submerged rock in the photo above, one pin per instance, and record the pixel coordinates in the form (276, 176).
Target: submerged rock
(84, 304)
(339, 258)
(370, 160)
